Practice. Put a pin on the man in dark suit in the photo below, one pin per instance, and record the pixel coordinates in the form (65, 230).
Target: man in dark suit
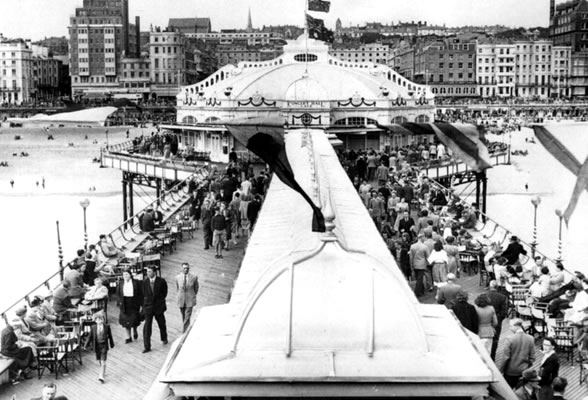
(549, 369)
(500, 303)
(187, 285)
(519, 353)
(513, 251)
(154, 294)
(147, 221)
(406, 224)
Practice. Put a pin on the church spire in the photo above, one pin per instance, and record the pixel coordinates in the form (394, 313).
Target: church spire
(249, 24)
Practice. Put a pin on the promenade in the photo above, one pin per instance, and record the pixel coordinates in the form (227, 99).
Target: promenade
(130, 373)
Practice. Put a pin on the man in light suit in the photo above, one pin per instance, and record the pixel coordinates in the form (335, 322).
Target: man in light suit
(447, 294)
(519, 353)
(187, 285)
(154, 294)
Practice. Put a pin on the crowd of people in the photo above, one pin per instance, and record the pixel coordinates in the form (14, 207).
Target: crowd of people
(427, 228)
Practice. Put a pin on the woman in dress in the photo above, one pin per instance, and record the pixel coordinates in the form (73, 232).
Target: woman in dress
(453, 264)
(439, 260)
(487, 320)
(130, 300)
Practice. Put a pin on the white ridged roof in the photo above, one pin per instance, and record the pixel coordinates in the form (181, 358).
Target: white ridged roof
(318, 307)
(339, 80)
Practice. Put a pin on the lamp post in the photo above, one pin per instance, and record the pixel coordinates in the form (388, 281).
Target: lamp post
(535, 201)
(559, 214)
(59, 251)
(106, 139)
(85, 203)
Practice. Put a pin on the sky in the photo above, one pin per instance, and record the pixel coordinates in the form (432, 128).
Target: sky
(36, 19)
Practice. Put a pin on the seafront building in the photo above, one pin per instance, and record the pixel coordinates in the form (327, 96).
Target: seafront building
(100, 36)
(28, 73)
(448, 65)
(568, 26)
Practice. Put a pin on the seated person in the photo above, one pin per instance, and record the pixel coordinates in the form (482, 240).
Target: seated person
(513, 251)
(557, 278)
(36, 319)
(147, 220)
(61, 300)
(108, 252)
(24, 358)
(97, 292)
(556, 306)
(24, 332)
(468, 218)
(46, 309)
(76, 280)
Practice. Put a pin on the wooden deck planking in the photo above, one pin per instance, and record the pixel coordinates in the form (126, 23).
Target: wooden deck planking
(130, 373)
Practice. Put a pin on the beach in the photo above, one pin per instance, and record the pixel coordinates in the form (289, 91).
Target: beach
(29, 211)
(509, 201)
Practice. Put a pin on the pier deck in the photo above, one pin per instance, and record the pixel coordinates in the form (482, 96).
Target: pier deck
(130, 373)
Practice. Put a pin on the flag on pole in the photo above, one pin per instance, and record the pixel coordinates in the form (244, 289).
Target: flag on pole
(462, 139)
(319, 5)
(567, 159)
(265, 138)
(317, 30)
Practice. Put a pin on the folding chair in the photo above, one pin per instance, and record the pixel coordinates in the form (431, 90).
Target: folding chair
(52, 358)
(564, 340)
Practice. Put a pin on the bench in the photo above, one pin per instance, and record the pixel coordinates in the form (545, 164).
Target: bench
(5, 364)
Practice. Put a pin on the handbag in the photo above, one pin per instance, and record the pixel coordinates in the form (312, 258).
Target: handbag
(141, 316)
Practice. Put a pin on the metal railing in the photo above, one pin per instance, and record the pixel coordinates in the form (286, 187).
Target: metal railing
(498, 229)
(117, 236)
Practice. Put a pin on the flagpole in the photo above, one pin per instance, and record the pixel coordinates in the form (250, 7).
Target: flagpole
(306, 37)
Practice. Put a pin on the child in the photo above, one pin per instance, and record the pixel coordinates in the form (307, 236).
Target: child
(102, 337)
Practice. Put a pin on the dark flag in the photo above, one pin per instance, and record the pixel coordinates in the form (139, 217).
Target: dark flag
(317, 30)
(265, 138)
(462, 139)
(319, 5)
(567, 159)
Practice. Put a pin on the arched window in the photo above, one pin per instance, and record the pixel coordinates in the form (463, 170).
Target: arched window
(188, 119)
(399, 119)
(422, 118)
(211, 119)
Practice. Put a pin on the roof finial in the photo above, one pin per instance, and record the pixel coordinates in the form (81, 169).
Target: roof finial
(329, 214)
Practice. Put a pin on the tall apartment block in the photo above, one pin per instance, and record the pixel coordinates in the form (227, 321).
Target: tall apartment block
(99, 37)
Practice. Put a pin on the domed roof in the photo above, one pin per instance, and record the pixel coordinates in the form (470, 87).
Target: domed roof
(306, 88)
(296, 75)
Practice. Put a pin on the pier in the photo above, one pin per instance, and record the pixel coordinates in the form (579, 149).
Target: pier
(129, 373)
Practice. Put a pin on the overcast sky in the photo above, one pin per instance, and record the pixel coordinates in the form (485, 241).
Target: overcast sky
(36, 19)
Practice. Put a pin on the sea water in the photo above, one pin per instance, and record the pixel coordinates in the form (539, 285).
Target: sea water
(29, 211)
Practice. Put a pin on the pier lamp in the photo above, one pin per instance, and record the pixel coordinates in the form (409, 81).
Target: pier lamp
(85, 204)
(535, 201)
(559, 214)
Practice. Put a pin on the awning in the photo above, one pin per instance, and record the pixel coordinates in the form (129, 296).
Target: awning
(194, 128)
(353, 130)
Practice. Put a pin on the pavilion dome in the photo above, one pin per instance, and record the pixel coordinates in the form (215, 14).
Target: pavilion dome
(306, 88)
(296, 74)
